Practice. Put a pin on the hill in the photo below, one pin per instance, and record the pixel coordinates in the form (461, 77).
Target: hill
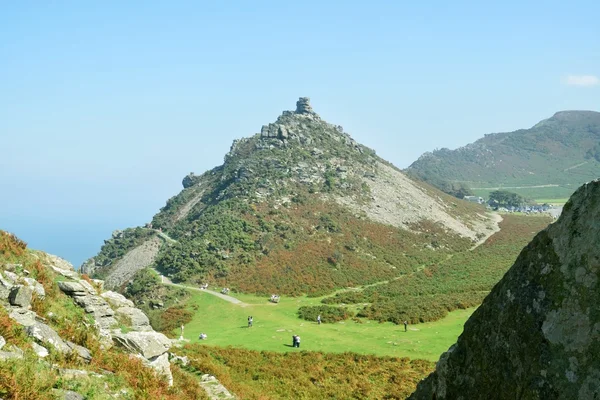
(547, 161)
(298, 208)
(536, 334)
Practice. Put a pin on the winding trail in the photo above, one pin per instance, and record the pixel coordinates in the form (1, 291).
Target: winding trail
(166, 281)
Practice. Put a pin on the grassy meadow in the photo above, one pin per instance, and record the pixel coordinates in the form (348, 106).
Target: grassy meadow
(274, 324)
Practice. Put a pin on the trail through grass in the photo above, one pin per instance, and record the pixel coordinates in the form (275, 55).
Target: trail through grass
(274, 324)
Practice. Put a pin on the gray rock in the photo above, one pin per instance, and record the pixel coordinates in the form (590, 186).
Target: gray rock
(80, 350)
(162, 366)
(303, 106)
(87, 286)
(41, 351)
(20, 296)
(94, 305)
(138, 320)
(116, 299)
(46, 335)
(5, 287)
(537, 334)
(23, 316)
(37, 287)
(11, 277)
(2, 342)
(67, 395)
(147, 344)
(8, 355)
(72, 288)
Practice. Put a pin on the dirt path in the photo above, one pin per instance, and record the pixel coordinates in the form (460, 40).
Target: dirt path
(233, 300)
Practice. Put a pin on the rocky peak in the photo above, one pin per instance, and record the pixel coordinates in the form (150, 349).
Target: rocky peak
(537, 334)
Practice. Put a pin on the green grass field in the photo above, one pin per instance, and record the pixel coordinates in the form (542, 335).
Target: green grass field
(274, 324)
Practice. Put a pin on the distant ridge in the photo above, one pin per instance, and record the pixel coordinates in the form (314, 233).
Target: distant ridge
(562, 151)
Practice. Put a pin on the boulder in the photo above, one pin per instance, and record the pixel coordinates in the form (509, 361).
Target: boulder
(162, 366)
(138, 320)
(37, 287)
(2, 342)
(5, 287)
(87, 286)
(116, 299)
(46, 335)
(20, 296)
(23, 316)
(11, 277)
(94, 305)
(72, 288)
(80, 351)
(7, 355)
(147, 344)
(41, 351)
(537, 334)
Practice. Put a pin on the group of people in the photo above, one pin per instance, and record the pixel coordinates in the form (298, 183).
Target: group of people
(295, 341)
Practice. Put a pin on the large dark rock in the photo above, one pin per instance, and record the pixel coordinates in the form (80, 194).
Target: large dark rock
(537, 334)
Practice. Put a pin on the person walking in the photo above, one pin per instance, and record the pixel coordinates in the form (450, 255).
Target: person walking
(319, 319)
(297, 341)
(405, 325)
(293, 340)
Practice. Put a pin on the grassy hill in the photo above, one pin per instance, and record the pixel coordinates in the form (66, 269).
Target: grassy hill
(299, 208)
(548, 161)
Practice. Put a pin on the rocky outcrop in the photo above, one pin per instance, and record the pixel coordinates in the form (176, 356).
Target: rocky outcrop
(137, 319)
(537, 334)
(150, 346)
(303, 106)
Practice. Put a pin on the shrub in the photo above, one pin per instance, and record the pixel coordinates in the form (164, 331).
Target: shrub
(328, 314)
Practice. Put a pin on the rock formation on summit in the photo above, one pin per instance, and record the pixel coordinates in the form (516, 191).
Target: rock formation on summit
(537, 334)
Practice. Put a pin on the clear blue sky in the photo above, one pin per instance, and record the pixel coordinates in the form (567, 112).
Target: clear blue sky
(105, 106)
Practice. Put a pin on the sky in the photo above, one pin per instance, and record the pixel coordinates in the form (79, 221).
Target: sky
(106, 106)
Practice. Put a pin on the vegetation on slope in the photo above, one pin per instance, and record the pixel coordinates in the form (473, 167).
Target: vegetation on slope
(306, 246)
(558, 151)
(461, 280)
(308, 375)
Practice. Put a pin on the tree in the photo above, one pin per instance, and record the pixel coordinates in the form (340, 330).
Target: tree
(506, 198)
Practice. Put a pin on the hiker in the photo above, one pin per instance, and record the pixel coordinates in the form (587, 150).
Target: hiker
(319, 319)
(405, 325)
(250, 320)
(202, 336)
(294, 340)
(297, 341)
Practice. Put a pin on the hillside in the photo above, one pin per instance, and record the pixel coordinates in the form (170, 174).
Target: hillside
(298, 208)
(547, 161)
(62, 336)
(536, 335)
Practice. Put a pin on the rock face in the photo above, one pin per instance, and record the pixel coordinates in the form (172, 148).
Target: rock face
(537, 334)
(303, 106)
(20, 296)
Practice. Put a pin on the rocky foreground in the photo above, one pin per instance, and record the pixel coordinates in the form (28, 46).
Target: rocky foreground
(537, 334)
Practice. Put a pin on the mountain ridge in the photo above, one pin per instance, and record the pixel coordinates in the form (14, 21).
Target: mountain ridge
(563, 150)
